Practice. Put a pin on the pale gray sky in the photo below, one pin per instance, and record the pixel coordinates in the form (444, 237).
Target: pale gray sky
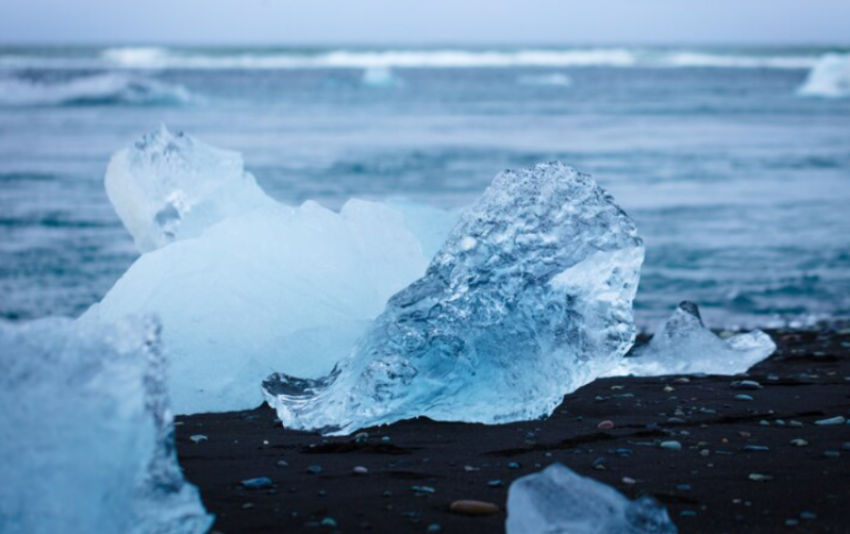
(426, 21)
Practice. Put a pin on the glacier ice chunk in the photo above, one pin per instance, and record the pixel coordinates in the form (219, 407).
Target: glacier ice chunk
(168, 186)
(268, 288)
(86, 436)
(529, 298)
(559, 501)
(684, 345)
(830, 77)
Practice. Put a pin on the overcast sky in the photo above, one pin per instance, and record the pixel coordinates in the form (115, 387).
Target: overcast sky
(426, 21)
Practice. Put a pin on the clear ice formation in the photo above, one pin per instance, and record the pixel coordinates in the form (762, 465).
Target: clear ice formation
(684, 345)
(86, 436)
(167, 187)
(559, 501)
(528, 299)
(830, 77)
(245, 286)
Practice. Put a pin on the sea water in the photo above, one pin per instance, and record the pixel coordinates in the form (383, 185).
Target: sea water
(738, 184)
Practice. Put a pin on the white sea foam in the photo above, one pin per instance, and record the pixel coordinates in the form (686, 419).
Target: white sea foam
(829, 78)
(176, 58)
(109, 88)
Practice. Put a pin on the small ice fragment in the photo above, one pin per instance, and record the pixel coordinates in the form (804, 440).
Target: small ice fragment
(829, 78)
(257, 483)
(837, 420)
(684, 345)
(538, 307)
(198, 438)
(86, 434)
(557, 500)
(168, 186)
(380, 76)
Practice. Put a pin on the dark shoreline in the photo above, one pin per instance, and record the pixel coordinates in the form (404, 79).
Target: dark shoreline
(417, 468)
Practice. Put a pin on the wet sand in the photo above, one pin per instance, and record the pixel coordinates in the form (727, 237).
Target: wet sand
(739, 469)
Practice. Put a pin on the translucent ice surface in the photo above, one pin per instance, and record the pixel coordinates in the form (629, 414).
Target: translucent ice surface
(528, 299)
(830, 77)
(269, 287)
(684, 345)
(86, 436)
(559, 501)
(166, 187)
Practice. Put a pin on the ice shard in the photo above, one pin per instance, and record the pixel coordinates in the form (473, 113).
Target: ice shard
(528, 299)
(559, 501)
(167, 186)
(683, 345)
(86, 435)
(259, 286)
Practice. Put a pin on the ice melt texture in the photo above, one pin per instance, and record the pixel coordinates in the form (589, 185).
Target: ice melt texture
(683, 345)
(86, 436)
(559, 501)
(528, 299)
(830, 77)
(167, 187)
(245, 286)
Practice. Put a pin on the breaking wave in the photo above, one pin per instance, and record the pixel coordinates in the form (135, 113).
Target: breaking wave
(150, 58)
(100, 89)
(830, 77)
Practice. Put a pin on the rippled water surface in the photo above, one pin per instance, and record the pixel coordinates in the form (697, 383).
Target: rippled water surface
(739, 186)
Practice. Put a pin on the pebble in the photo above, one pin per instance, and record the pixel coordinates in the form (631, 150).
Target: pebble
(743, 397)
(257, 483)
(513, 465)
(704, 452)
(424, 489)
(671, 445)
(495, 483)
(605, 425)
(465, 507)
(756, 448)
(808, 515)
(361, 437)
(791, 522)
(838, 420)
(799, 442)
(831, 454)
(360, 470)
(434, 527)
(758, 477)
(329, 522)
(629, 480)
(795, 424)
(282, 463)
(198, 438)
(746, 385)
(314, 469)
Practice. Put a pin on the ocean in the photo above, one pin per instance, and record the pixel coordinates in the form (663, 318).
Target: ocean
(739, 182)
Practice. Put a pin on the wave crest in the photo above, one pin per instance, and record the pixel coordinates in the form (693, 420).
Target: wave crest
(829, 78)
(99, 89)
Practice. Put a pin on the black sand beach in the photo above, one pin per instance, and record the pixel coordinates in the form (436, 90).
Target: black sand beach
(742, 466)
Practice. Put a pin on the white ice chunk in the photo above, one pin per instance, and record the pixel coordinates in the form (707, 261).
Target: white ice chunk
(559, 501)
(830, 77)
(275, 288)
(380, 76)
(529, 299)
(167, 187)
(86, 436)
(684, 345)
